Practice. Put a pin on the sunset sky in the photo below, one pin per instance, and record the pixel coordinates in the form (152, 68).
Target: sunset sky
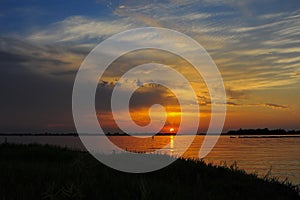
(254, 43)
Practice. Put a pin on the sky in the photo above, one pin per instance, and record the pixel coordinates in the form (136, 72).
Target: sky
(254, 43)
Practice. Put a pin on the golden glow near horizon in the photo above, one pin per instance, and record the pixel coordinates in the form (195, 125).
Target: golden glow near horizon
(250, 104)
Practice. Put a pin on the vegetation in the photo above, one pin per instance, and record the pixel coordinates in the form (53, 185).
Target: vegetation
(48, 172)
(264, 131)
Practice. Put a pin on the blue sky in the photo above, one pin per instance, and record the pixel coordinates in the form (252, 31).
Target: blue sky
(22, 16)
(255, 44)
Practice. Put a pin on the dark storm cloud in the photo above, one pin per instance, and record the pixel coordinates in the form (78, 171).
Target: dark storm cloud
(144, 97)
(63, 73)
(7, 57)
(30, 99)
(44, 59)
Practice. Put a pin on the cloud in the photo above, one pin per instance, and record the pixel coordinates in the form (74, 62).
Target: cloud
(276, 106)
(29, 101)
(267, 105)
(262, 46)
(140, 102)
(264, 54)
(235, 94)
(186, 17)
(79, 29)
(272, 16)
(47, 60)
(232, 103)
(255, 49)
(204, 101)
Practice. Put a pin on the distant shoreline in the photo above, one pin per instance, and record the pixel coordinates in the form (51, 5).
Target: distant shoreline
(241, 133)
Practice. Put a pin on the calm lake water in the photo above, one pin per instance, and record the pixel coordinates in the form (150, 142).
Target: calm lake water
(251, 154)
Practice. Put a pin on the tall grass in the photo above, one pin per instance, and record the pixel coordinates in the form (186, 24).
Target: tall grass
(48, 172)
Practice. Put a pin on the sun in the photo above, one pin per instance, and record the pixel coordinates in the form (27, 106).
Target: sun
(171, 129)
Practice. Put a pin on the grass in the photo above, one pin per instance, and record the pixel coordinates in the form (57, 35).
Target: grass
(48, 172)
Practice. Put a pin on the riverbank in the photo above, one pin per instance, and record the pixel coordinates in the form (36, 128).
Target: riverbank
(48, 172)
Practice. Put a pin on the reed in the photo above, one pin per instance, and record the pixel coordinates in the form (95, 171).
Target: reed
(49, 172)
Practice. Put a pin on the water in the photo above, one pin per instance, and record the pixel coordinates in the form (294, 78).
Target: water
(257, 155)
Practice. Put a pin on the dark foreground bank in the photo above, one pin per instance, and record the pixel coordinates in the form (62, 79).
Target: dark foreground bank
(47, 172)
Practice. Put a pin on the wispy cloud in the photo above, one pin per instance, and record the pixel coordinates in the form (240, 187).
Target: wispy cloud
(255, 48)
(78, 29)
(46, 60)
(256, 52)
(267, 105)
(276, 106)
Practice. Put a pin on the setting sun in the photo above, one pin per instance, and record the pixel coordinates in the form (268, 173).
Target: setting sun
(171, 129)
